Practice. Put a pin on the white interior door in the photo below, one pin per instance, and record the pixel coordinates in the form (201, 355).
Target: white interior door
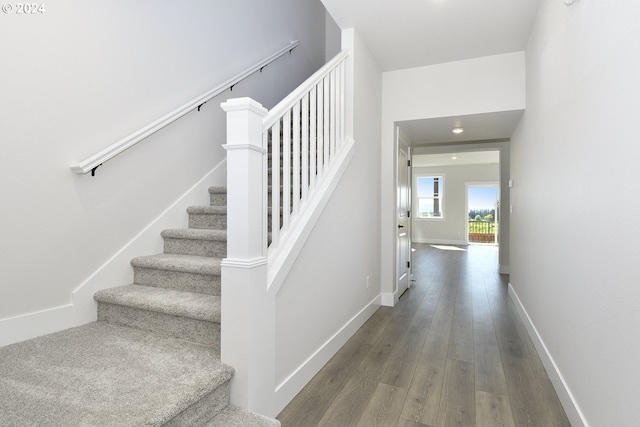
(403, 257)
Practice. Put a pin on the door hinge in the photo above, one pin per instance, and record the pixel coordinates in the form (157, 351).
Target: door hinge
(408, 264)
(408, 214)
(409, 163)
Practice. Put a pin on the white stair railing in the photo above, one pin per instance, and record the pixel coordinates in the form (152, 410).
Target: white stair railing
(298, 150)
(303, 134)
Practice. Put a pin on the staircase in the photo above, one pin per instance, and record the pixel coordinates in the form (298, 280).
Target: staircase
(153, 356)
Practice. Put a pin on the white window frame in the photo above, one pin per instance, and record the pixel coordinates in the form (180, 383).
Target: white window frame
(441, 196)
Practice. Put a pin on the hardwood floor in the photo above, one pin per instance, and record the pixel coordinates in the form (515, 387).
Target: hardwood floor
(452, 352)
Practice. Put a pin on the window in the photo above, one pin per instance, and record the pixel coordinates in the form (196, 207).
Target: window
(430, 196)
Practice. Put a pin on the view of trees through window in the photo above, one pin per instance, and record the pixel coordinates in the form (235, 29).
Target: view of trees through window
(482, 202)
(482, 214)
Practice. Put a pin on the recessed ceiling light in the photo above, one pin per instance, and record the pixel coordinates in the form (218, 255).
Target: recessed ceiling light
(454, 157)
(457, 130)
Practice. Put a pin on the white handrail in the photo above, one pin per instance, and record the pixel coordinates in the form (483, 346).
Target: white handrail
(91, 163)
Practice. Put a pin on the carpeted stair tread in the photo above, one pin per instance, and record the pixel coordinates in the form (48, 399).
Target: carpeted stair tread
(210, 210)
(217, 190)
(105, 375)
(235, 416)
(212, 217)
(195, 234)
(204, 242)
(181, 263)
(166, 301)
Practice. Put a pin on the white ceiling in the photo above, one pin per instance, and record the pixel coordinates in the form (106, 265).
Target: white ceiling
(477, 127)
(456, 159)
(412, 33)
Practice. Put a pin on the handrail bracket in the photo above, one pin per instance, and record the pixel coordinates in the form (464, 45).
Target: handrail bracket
(93, 170)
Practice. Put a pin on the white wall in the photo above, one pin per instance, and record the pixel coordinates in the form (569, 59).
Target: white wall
(324, 298)
(480, 85)
(451, 229)
(575, 237)
(85, 74)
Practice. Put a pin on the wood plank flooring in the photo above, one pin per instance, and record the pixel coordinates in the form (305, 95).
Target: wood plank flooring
(452, 352)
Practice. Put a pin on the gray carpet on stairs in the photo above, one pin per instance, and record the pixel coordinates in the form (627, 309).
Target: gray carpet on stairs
(105, 375)
(152, 359)
(234, 416)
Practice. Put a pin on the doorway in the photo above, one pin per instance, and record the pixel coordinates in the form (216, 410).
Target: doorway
(483, 210)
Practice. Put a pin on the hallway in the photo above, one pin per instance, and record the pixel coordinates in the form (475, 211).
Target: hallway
(453, 352)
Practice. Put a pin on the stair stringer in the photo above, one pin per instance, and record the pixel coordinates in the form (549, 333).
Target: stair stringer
(292, 240)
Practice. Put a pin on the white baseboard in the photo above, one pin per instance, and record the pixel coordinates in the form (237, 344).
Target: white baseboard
(117, 270)
(292, 385)
(575, 415)
(388, 299)
(31, 325)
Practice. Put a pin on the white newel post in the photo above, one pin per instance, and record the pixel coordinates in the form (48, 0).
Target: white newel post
(248, 311)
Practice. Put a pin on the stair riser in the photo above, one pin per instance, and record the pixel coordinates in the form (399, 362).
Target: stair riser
(210, 248)
(203, 410)
(218, 199)
(210, 221)
(177, 280)
(199, 331)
